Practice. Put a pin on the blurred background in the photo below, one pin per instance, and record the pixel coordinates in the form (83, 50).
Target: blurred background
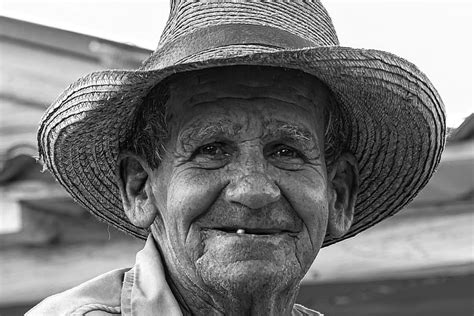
(420, 262)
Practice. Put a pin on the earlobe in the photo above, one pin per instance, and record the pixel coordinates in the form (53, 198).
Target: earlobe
(135, 190)
(342, 194)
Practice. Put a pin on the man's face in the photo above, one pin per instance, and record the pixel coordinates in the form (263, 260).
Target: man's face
(242, 191)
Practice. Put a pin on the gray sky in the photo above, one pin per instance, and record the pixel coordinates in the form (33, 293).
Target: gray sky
(436, 35)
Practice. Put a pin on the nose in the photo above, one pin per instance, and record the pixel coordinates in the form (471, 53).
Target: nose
(255, 191)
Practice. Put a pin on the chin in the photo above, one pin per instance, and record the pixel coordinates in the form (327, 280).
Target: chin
(250, 277)
(235, 265)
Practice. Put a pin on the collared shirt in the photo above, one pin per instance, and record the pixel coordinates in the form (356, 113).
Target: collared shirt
(141, 290)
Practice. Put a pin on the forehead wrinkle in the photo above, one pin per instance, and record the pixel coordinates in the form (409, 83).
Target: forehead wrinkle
(193, 96)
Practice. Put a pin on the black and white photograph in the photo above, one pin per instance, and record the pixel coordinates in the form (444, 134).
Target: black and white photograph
(236, 157)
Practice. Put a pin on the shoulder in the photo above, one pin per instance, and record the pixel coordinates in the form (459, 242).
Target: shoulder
(99, 296)
(300, 310)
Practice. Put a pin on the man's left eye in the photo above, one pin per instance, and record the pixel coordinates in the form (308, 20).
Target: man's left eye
(286, 153)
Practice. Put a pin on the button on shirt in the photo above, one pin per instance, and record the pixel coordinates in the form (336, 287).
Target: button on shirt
(141, 290)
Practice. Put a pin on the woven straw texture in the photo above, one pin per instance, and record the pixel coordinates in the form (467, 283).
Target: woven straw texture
(395, 118)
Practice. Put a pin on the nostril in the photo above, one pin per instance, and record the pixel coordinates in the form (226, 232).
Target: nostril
(254, 191)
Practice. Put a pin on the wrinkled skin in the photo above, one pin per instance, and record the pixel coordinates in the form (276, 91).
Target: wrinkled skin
(245, 152)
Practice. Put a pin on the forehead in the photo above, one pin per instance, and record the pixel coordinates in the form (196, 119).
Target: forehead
(265, 94)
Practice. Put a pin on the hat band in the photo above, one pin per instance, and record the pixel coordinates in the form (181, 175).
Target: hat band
(223, 35)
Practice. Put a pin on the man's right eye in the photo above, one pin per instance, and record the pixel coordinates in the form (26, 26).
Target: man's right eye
(214, 151)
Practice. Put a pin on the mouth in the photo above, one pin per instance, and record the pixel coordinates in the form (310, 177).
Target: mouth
(252, 231)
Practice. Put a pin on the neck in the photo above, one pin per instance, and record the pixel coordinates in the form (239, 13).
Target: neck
(262, 300)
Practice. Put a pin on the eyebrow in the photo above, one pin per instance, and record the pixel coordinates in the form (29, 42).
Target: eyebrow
(278, 128)
(210, 130)
(273, 129)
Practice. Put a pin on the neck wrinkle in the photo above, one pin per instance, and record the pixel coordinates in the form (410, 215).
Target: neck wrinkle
(280, 303)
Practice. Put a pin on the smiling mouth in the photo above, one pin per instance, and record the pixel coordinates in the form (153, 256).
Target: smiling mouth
(253, 231)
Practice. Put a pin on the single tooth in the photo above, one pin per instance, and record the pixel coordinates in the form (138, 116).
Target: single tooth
(240, 231)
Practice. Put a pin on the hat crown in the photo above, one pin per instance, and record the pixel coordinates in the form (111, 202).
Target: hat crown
(307, 19)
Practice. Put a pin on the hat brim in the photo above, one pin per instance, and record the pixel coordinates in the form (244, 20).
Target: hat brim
(395, 125)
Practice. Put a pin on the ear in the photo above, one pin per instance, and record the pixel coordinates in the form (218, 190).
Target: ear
(342, 193)
(135, 190)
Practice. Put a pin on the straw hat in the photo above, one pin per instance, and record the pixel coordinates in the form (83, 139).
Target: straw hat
(395, 117)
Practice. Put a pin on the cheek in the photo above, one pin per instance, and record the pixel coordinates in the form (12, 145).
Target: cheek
(190, 194)
(306, 191)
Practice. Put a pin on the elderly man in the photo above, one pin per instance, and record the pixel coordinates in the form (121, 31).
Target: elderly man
(247, 141)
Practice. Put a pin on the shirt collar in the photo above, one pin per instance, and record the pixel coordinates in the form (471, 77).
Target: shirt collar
(145, 291)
